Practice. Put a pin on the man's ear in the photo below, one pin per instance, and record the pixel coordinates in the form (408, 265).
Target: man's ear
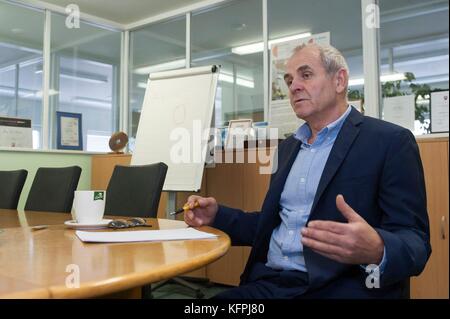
(341, 79)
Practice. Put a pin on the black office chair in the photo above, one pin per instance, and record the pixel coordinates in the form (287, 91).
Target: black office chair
(53, 189)
(11, 187)
(135, 190)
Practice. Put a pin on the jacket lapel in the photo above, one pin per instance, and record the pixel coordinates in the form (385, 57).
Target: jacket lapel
(349, 131)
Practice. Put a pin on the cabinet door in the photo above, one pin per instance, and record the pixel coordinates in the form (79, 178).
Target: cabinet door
(103, 166)
(433, 282)
(225, 184)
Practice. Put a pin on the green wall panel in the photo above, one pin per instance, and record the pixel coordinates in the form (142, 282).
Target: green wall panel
(31, 161)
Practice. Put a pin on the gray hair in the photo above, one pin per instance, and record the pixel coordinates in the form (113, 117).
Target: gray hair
(332, 58)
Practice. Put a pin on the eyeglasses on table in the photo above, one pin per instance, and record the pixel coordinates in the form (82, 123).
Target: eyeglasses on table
(128, 223)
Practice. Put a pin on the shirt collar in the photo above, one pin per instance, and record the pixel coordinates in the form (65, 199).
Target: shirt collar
(303, 133)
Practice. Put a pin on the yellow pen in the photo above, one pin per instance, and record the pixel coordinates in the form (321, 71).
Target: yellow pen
(185, 208)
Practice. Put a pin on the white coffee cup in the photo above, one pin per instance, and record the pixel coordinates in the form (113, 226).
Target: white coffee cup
(89, 206)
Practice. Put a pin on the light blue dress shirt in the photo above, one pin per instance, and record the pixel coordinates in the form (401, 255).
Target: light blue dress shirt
(286, 249)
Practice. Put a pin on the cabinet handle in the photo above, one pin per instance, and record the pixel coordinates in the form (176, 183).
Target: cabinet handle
(443, 227)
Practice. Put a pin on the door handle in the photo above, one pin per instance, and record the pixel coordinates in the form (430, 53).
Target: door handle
(443, 227)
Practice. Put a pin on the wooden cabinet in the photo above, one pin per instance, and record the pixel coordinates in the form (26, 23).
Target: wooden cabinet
(224, 183)
(433, 282)
(243, 184)
(103, 167)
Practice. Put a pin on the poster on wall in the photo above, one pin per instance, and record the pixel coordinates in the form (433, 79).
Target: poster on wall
(439, 112)
(281, 115)
(69, 133)
(15, 132)
(400, 110)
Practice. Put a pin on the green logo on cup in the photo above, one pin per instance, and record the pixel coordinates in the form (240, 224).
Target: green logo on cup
(98, 195)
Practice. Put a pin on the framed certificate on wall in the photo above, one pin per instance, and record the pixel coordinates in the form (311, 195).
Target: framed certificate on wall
(439, 111)
(69, 131)
(15, 132)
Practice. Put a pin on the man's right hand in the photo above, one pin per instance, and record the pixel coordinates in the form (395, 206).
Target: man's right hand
(204, 214)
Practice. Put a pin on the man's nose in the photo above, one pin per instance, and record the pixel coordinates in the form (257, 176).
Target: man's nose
(296, 85)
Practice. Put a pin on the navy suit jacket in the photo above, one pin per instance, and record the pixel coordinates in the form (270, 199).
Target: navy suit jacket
(376, 165)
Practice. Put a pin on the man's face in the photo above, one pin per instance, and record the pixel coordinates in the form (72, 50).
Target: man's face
(311, 90)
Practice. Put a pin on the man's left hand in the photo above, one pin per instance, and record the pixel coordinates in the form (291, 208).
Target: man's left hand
(355, 242)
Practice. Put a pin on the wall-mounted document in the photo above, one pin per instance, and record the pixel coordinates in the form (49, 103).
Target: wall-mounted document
(143, 235)
(439, 112)
(400, 110)
(69, 131)
(15, 132)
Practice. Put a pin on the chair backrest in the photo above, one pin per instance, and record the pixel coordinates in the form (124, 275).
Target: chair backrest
(53, 189)
(135, 190)
(11, 184)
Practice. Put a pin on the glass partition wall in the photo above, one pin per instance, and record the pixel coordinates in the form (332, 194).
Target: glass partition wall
(216, 37)
(21, 42)
(414, 58)
(154, 48)
(86, 71)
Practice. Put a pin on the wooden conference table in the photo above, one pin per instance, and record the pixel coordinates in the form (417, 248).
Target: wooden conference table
(39, 263)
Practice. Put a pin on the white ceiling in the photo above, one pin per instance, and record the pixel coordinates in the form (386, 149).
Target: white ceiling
(124, 11)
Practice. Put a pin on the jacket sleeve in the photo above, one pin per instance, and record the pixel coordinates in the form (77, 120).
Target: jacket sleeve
(240, 226)
(404, 226)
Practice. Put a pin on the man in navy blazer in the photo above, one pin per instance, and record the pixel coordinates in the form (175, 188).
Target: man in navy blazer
(345, 213)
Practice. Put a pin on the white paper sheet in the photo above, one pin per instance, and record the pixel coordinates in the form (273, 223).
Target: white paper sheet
(143, 235)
